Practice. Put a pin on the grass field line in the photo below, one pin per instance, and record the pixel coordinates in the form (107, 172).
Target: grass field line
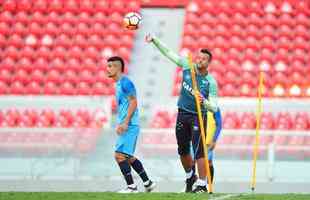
(227, 196)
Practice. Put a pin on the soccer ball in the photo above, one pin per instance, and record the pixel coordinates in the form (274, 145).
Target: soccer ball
(132, 20)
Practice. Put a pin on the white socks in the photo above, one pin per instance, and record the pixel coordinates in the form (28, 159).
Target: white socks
(201, 182)
(132, 186)
(146, 182)
(189, 174)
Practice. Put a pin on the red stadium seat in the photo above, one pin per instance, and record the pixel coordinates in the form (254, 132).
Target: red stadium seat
(73, 52)
(132, 6)
(63, 40)
(101, 76)
(9, 5)
(21, 75)
(54, 76)
(24, 64)
(83, 88)
(86, 76)
(267, 121)
(71, 5)
(22, 17)
(43, 52)
(5, 75)
(24, 5)
(98, 28)
(68, 29)
(284, 42)
(36, 28)
(37, 76)
(71, 76)
(82, 118)
(55, 5)
(100, 17)
(29, 118)
(47, 118)
(301, 121)
(116, 17)
(91, 52)
(27, 52)
(85, 17)
(60, 52)
(231, 120)
(283, 121)
(301, 31)
(58, 64)
(118, 6)
(99, 89)
(65, 118)
(3, 41)
(13, 117)
(7, 17)
(20, 29)
(102, 5)
(39, 5)
(302, 19)
(33, 88)
(5, 28)
(74, 64)
(95, 40)
(50, 88)
(247, 121)
(83, 29)
(80, 40)
(67, 89)
(41, 63)
(17, 88)
(52, 28)
(87, 5)
(11, 51)
(3, 88)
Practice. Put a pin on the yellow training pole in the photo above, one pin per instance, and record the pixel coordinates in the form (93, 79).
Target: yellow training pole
(201, 125)
(258, 117)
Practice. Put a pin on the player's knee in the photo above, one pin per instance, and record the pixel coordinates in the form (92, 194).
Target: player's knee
(183, 149)
(132, 159)
(210, 163)
(119, 157)
(199, 155)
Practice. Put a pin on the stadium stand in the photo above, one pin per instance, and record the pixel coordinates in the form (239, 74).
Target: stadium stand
(244, 37)
(43, 41)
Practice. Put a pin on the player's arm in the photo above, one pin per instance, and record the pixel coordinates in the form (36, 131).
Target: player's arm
(131, 108)
(218, 125)
(130, 91)
(211, 102)
(170, 54)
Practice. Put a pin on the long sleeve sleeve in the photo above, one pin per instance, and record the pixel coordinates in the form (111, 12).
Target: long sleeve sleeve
(211, 102)
(170, 54)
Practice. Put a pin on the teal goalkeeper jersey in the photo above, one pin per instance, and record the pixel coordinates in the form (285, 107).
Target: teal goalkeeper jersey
(206, 83)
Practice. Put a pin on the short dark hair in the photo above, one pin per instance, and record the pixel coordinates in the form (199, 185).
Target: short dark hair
(207, 52)
(117, 58)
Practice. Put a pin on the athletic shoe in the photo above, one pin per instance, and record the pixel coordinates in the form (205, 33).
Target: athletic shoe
(150, 187)
(129, 190)
(200, 189)
(190, 182)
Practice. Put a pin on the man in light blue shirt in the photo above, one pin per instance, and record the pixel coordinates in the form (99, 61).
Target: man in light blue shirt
(127, 126)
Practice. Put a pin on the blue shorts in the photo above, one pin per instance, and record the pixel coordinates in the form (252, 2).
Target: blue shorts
(126, 143)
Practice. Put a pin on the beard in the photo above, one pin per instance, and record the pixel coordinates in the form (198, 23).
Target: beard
(201, 66)
(110, 75)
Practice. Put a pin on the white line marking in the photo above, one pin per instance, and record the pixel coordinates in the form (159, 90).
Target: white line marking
(228, 196)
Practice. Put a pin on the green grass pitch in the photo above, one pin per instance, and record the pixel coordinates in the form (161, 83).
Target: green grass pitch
(143, 196)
